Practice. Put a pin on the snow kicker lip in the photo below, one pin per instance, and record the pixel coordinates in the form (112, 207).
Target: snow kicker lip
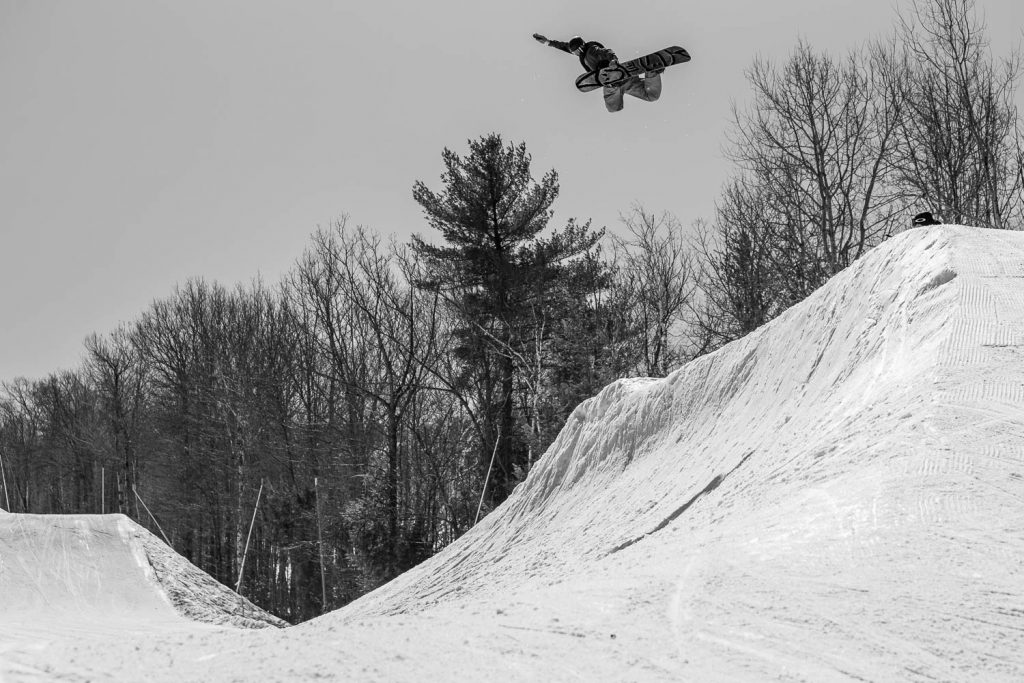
(110, 567)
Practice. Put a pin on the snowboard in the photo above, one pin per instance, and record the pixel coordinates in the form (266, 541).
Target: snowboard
(617, 74)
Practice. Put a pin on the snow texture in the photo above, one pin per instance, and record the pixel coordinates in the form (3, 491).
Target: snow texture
(837, 496)
(95, 566)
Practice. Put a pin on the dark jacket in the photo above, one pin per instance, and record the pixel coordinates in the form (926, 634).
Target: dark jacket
(594, 55)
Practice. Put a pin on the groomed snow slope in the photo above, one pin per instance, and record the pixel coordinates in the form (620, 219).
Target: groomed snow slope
(839, 496)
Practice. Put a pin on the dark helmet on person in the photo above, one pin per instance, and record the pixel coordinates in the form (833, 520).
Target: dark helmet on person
(925, 218)
(576, 44)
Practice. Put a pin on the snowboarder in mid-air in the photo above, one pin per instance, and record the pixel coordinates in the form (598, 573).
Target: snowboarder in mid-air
(595, 56)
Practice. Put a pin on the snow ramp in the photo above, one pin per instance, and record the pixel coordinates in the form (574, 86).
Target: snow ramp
(102, 569)
(837, 496)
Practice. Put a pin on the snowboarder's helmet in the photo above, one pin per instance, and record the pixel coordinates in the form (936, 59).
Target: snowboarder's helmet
(576, 44)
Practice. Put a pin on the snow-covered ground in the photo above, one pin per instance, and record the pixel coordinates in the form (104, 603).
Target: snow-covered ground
(838, 496)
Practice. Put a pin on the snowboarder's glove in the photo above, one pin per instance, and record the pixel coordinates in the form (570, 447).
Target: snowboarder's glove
(540, 39)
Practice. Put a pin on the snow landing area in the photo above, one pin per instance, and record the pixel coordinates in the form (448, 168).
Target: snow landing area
(837, 496)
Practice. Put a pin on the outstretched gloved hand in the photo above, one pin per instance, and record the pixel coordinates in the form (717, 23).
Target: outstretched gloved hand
(540, 39)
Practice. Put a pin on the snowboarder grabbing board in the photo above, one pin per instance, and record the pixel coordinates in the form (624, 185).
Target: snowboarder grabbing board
(639, 77)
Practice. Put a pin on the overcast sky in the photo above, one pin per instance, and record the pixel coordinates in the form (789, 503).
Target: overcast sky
(145, 142)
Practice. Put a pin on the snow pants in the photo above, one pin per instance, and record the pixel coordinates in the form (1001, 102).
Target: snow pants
(647, 89)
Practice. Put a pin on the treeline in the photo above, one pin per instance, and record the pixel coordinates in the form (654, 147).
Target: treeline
(368, 409)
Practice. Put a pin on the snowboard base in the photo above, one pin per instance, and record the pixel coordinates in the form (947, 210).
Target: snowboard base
(617, 74)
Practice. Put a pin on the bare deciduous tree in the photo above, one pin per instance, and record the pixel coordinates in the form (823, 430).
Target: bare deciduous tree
(117, 371)
(656, 282)
(961, 154)
(743, 282)
(814, 190)
(814, 145)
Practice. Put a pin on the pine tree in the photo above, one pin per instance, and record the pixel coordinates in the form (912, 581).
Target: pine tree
(502, 278)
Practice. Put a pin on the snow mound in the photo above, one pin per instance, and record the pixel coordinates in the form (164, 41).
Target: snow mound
(838, 495)
(101, 567)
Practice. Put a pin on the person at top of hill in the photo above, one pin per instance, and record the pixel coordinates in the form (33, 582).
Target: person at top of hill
(925, 218)
(594, 56)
